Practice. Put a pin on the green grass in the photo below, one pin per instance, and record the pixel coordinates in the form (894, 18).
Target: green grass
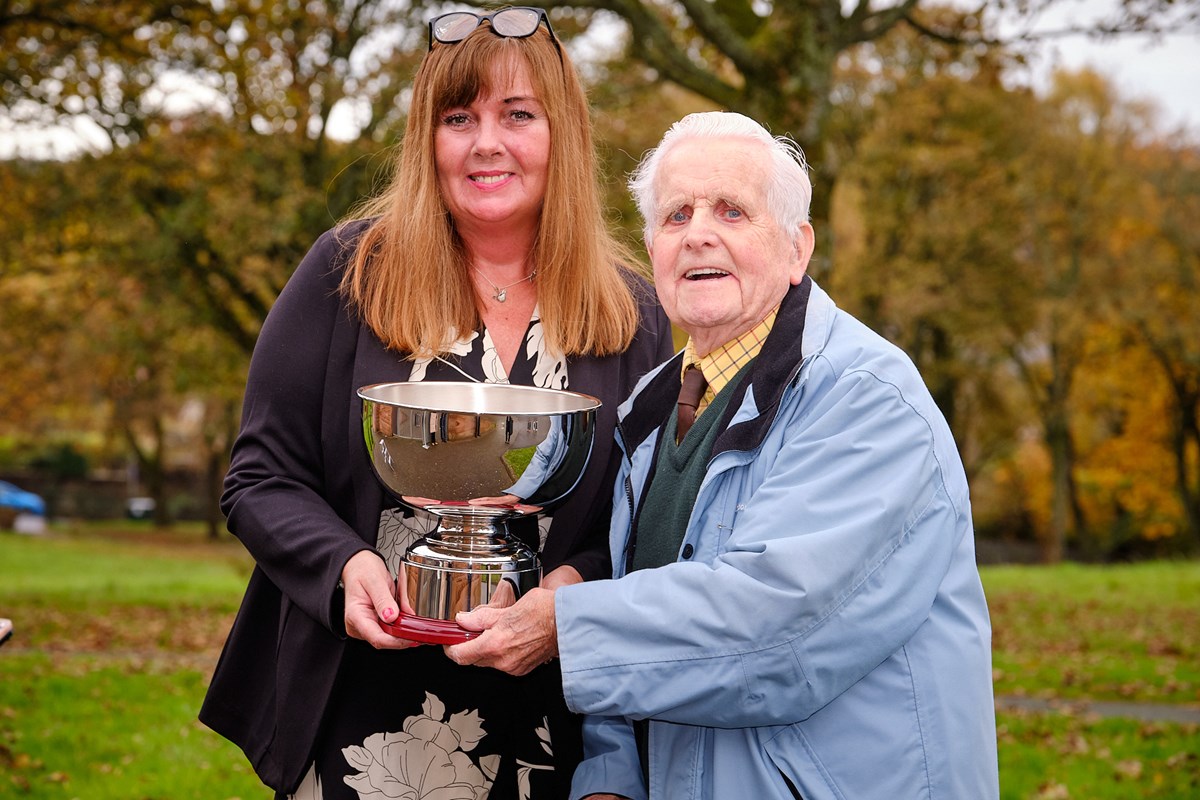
(131, 572)
(111, 729)
(118, 628)
(1129, 632)
(117, 631)
(1060, 756)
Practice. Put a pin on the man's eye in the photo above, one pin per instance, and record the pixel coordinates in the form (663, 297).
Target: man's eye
(733, 213)
(677, 216)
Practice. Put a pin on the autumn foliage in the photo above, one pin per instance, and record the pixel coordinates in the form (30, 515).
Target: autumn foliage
(1035, 254)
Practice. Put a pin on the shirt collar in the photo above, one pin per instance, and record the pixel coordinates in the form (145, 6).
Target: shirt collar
(722, 364)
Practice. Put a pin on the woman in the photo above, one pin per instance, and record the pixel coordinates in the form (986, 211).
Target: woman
(486, 259)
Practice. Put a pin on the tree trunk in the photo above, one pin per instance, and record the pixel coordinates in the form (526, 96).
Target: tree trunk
(1058, 442)
(1185, 443)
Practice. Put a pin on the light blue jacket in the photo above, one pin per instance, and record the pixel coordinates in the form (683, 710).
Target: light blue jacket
(824, 620)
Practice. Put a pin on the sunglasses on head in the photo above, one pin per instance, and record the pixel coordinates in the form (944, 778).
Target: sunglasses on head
(517, 22)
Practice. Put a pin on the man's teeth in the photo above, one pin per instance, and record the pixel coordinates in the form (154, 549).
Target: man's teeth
(489, 178)
(701, 274)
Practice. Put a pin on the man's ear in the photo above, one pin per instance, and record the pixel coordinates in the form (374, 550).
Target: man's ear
(804, 243)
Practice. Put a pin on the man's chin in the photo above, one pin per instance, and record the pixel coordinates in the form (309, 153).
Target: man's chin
(713, 326)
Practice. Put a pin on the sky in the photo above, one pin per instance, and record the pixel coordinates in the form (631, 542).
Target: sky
(1162, 69)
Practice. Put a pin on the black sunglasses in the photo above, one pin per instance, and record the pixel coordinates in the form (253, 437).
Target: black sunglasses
(517, 22)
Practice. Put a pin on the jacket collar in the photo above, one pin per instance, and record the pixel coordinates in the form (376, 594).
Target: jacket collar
(769, 375)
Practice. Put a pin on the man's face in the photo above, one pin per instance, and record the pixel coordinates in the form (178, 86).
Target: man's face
(721, 262)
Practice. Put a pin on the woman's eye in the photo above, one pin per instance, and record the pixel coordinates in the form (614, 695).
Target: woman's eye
(733, 213)
(455, 119)
(522, 114)
(677, 216)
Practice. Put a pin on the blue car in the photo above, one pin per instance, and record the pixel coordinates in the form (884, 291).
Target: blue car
(20, 500)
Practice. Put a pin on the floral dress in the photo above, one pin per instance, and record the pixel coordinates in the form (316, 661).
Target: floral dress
(411, 723)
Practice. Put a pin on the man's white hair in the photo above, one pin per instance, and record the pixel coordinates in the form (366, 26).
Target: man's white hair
(789, 191)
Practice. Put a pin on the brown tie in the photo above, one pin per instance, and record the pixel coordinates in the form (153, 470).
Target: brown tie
(689, 398)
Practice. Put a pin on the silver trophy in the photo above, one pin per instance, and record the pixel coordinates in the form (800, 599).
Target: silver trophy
(463, 452)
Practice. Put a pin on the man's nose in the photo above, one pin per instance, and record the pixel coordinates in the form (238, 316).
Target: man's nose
(701, 229)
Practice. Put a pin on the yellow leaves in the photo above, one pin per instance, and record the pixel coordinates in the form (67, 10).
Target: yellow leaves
(1056, 256)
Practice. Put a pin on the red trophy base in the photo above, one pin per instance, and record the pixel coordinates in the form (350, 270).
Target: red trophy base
(429, 631)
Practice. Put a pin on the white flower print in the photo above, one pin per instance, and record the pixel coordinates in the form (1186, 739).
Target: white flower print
(427, 760)
(397, 532)
(493, 367)
(550, 369)
(523, 771)
(310, 787)
(461, 347)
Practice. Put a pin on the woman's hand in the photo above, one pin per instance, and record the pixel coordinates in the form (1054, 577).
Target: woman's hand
(504, 501)
(371, 597)
(563, 576)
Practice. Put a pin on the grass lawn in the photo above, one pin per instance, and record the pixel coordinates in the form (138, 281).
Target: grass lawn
(116, 637)
(118, 628)
(1128, 633)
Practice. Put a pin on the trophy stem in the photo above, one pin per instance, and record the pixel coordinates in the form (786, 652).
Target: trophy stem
(471, 526)
(469, 561)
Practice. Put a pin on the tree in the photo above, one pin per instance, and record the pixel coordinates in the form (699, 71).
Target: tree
(778, 62)
(981, 227)
(268, 78)
(928, 220)
(67, 60)
(95, 349)
(1158, 271)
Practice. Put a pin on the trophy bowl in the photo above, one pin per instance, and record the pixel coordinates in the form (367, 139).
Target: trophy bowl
(463, 452)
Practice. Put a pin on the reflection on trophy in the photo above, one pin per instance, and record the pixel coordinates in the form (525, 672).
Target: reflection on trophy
(456, 450)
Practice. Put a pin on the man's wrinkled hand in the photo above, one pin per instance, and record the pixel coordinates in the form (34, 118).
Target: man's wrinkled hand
(515, 639)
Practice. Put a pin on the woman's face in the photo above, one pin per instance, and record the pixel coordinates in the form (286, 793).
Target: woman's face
(493, 155)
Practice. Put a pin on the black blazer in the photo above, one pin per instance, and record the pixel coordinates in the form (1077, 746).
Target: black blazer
(302, 497)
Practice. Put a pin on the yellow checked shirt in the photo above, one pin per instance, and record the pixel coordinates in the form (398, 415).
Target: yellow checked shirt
(722, 364)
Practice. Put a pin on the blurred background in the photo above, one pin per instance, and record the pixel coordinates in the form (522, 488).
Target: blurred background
(993, 193)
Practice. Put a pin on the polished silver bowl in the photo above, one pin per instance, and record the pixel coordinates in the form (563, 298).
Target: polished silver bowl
(463, 452)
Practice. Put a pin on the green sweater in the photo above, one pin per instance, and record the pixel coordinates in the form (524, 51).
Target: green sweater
(678, 473)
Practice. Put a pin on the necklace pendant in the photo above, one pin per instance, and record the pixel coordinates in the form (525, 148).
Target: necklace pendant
(501, 295)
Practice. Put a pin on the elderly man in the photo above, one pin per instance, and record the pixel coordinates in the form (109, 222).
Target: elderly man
(796, 610)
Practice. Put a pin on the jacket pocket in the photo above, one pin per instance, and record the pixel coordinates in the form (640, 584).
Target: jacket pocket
(791, 786)
(799, 768)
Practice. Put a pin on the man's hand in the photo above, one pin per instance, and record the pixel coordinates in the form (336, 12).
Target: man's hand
(371, 597)
(514, 639)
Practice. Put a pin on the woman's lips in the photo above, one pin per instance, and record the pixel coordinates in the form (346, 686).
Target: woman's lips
(489, 179)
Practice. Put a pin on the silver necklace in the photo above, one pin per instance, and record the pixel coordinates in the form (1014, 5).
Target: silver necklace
(500, 293)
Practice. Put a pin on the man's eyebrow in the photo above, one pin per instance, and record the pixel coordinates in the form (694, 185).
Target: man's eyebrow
(677, 201)
(731, 200)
